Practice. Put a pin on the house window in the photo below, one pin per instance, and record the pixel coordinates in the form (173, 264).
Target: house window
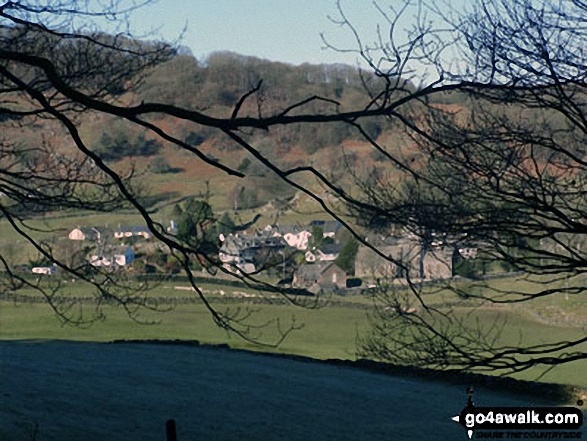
(333, 277)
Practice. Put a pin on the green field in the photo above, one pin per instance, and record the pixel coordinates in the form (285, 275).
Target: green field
(326, 332)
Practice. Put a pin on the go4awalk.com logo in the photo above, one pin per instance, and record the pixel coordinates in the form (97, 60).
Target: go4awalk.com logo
(520, 422)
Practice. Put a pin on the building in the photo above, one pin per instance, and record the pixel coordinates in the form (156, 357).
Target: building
(329, 252)
(326, 253)
(47, 270)
(126, 232)
(467, 252)
(172, 228)
(295, 236)
(407, 259)
(113, 257)
(331, 229)
(85, 233)
(320, 277)
(233, 255)
(250, 253)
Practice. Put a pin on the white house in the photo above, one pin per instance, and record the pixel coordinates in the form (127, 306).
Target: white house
(172, 228)
(310, 256)
(116, 256)
(125, 232)
(83, 233)
(468, 252)
(296, 237)
(98, 260)
(326, 253)
(47, 270)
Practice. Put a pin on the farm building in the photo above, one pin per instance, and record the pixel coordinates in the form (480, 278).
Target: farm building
(409, 260)
(320, 277)
(295, 236)
(47, 270)
(250, 252)
(85, 233)
(112, 257)
(326, 253)
(126, 232)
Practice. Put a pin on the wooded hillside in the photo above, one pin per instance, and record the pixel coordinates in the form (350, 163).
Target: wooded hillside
(217, 83)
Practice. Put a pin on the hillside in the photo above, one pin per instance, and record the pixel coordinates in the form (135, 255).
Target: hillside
(168, 174)
(215, 86)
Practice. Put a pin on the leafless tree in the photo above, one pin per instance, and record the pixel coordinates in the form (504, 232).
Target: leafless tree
(495, 133)
(497, 164)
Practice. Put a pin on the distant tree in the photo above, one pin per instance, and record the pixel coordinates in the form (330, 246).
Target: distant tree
(195, 139)
(177, 82)
(374, 128)
(40, 261)
(118, 145)
(244, 165)
(177, 211)
(195, 227)
(160, 165)
(225, 225)
(317, 237)
(159, 258)
(234, 197)
(145, 147)
(346, 258)
(137, 266)
(242, 198)
(466, 268)
(172, 266)
(113, 148)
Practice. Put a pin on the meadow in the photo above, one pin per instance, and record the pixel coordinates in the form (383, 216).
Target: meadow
(326, 332)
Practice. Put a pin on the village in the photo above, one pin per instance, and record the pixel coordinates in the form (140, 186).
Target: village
(321, 256)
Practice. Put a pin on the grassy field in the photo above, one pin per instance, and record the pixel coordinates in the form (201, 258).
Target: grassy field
(328, 332)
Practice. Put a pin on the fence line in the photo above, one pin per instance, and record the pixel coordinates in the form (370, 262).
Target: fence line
(181, 300)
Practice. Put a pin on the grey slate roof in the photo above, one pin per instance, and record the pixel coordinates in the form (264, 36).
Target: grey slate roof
(331, 248)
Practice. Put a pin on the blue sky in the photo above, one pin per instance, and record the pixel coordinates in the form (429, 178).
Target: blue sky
(278, 30)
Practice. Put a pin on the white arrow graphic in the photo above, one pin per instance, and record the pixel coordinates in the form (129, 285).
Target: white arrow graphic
(457, 419)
